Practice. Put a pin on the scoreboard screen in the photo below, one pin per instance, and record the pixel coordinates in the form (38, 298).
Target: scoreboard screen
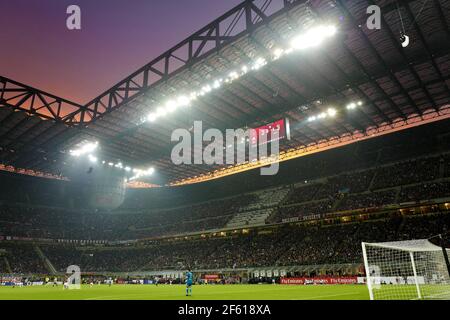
(282, 126)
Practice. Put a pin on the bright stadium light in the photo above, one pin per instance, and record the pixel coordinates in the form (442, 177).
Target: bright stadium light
(193, 96)
(183, 101)
(161, 112)
(117, 165)
(323, 115)
(206, 89)
(278, 53)
(152, 117)
(259, 63)
(313, 37)
(138, 173)
(288, 50)
(217, 84)
(92, 158)
(310, 38)
(330, 30)
(171, 105)
(85, 148)
(233, 75)
(351, 106)
(306, 41)
(331, 112)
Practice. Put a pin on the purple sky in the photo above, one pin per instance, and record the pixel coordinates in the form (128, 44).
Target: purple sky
(117, 37)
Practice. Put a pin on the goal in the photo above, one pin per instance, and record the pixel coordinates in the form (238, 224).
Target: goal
(406, 270)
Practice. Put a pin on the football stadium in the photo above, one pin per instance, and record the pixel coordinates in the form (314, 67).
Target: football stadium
(287, 150)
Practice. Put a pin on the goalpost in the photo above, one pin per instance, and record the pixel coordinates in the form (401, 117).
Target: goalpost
(406, 270)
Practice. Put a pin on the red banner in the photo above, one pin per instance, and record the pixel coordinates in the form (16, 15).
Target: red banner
(320, 280)
(211, 276)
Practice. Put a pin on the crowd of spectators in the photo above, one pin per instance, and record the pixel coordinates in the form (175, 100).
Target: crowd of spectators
(22, 258)
(3, 266)
(407, 181)
(58, 223)
(348, 183)
(303, 193)
(281, 246)
(367, 200)
(446, 162)
(432, 190)
(302, 210)
(407, 172)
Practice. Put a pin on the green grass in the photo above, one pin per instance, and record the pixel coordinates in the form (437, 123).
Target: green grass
(177, 292)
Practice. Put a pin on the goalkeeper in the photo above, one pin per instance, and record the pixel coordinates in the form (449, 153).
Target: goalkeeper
(189, 283)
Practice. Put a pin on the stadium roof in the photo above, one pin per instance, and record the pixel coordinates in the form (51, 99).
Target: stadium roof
(395, 83)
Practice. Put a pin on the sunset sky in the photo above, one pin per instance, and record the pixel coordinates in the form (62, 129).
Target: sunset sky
(117, 37)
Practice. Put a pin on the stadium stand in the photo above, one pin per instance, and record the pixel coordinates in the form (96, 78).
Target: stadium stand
(280, 246)
(283, 220)
(369, 184)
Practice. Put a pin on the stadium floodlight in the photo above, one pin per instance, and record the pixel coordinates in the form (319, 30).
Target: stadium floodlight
(351, 106)
(84, 148)
(288, 50)
(360, 103)
(233, 75)
(313, 37)
(330, 30)
(161, 112)
(110, 164)
(278, 53)
(138, 173)
(183, 101)
(92, 158)
(323, 115)
(306, 41)
(171, 105)
(331, 112)
(259, 63)
(217, 83)
(206, 89)
(152, 117)
(193, 96)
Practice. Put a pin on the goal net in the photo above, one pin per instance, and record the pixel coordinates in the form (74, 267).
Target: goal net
(406, 270)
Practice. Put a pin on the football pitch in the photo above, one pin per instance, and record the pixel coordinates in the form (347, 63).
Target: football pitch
(177, 292)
